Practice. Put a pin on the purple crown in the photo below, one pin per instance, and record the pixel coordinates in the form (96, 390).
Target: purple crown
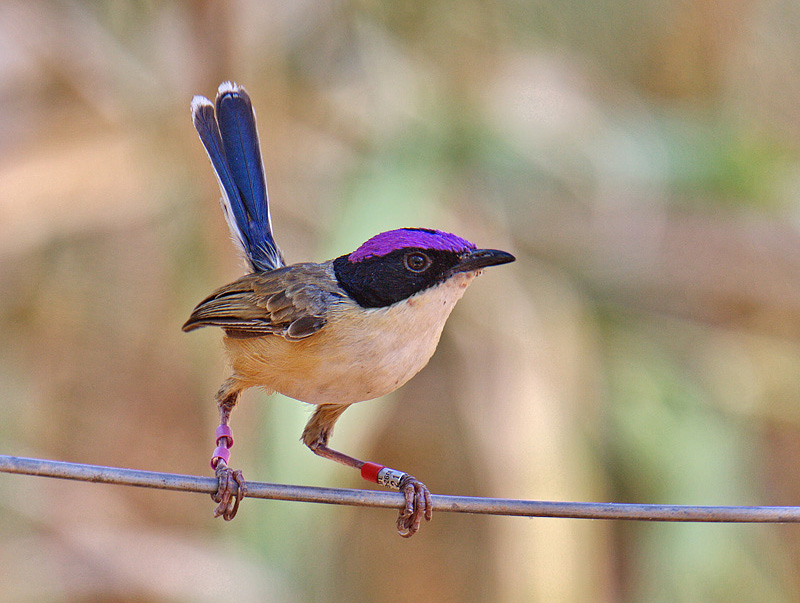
(424, 238)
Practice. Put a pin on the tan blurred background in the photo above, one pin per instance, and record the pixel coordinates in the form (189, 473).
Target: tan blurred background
(642, 161)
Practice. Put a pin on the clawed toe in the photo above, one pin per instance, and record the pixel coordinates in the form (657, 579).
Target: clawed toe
(232, 489)
(418, 505)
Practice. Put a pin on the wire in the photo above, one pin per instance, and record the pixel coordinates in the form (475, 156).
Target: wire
(393, 500)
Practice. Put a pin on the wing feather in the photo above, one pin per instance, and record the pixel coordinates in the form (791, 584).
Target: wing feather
(291, 302)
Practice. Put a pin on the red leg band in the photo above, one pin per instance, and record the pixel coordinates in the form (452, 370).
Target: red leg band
(223, 431)
(369, 471)
(220, 453)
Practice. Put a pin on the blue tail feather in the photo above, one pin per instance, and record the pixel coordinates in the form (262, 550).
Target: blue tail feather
(240, 137)
(231, 141)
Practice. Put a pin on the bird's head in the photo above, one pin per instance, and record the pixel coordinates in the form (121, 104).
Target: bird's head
(394, 265)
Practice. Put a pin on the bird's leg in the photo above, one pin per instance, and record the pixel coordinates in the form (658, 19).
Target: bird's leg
(316, 434)
(232, 488)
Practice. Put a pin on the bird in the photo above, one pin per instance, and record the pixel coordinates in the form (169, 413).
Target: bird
(331, 334)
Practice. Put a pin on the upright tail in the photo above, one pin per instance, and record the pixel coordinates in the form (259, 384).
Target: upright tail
(231, 141)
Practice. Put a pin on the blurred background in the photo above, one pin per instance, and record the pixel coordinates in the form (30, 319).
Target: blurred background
(640, 159)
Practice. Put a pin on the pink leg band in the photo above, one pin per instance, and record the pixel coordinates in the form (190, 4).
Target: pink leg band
(220, 453)
(224, 431)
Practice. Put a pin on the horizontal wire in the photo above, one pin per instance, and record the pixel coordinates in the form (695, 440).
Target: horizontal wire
(394, 500)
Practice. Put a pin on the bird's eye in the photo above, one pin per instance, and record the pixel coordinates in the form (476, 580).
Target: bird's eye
(417, 261)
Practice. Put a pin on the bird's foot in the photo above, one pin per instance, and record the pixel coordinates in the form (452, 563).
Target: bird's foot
(417, 496)
(232, 489)
(418, 505)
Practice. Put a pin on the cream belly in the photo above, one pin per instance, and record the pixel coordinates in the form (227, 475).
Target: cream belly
(359, 355)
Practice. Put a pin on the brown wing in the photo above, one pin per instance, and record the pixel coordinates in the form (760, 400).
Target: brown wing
(290, 301)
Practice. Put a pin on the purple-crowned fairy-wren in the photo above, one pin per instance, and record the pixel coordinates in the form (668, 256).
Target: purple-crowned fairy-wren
(331, 334)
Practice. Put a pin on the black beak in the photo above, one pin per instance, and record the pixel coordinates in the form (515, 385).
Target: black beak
(482, 258)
